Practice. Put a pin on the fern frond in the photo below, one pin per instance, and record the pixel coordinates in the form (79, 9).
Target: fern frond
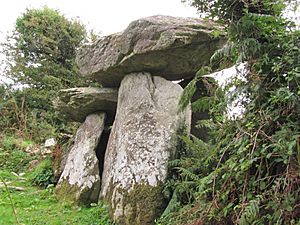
(250, 213)
(225, 52)
(188, 174)
(205, 124)
(195, 144)
(187, 94)
(202, 104)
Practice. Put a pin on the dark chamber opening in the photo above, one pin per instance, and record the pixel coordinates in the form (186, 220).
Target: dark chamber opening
(201, 91)
(101, 149)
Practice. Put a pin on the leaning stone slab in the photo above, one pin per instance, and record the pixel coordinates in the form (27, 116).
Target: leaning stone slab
(75, 104)
(174, 48)
(80, 180)
(143, 139)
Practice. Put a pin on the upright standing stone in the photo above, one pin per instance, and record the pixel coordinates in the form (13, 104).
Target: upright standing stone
(143, 139)
(80, 180)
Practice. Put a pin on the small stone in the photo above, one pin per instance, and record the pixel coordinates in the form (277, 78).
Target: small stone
(50, 142)
(33, 149)
(6, 185)
(15, 174)
(46, 151)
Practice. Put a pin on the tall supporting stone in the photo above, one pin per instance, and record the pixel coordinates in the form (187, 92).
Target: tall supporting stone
(143, 139)
(80, 180)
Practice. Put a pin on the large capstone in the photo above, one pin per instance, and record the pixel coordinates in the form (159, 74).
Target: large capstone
(80, 180)
(143, 139)
(171, 47)
(75, 104)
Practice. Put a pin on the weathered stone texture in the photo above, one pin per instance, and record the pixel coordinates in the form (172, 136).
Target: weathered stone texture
(80, 180)
(75, 104)
(171, 47)
(142, 60)
(143, 139)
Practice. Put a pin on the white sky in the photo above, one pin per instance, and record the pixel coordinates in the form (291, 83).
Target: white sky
(105, 16)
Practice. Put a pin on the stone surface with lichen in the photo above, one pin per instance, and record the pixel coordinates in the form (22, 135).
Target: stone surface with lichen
(75, 104)
(80, 181)
(143, 139)
(171, 47)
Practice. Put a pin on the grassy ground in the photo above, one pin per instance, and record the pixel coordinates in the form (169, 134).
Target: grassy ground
(36, 205)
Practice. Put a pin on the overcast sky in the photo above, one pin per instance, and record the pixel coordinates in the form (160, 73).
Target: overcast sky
(105, 16)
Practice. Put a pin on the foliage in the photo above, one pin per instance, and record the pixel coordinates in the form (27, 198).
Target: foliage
(43, 175)
(249, 171)
(20, 116)
(232, 10)
(41, 60)
(12, 156)
(42, 49)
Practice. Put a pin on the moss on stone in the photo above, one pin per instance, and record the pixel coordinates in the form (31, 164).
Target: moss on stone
(66, 192)
(142, 205)
(72, 194)
(107, 198)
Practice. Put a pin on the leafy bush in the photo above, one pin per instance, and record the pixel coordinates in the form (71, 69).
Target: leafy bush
(12, 156)
(40, 59)
(43, 174)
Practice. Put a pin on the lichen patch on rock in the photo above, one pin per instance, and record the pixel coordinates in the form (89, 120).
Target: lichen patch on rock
(81, 173)
(143, 139)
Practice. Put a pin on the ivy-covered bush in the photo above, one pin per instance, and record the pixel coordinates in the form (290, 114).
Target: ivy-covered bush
(249, 171)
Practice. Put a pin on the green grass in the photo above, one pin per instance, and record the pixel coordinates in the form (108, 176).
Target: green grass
(36, 205)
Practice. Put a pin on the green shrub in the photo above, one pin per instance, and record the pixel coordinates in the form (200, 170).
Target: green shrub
(248, 172)
(12, 158)
(43, 174)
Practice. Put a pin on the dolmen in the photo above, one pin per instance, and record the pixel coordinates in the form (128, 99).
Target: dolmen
(131, 126)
